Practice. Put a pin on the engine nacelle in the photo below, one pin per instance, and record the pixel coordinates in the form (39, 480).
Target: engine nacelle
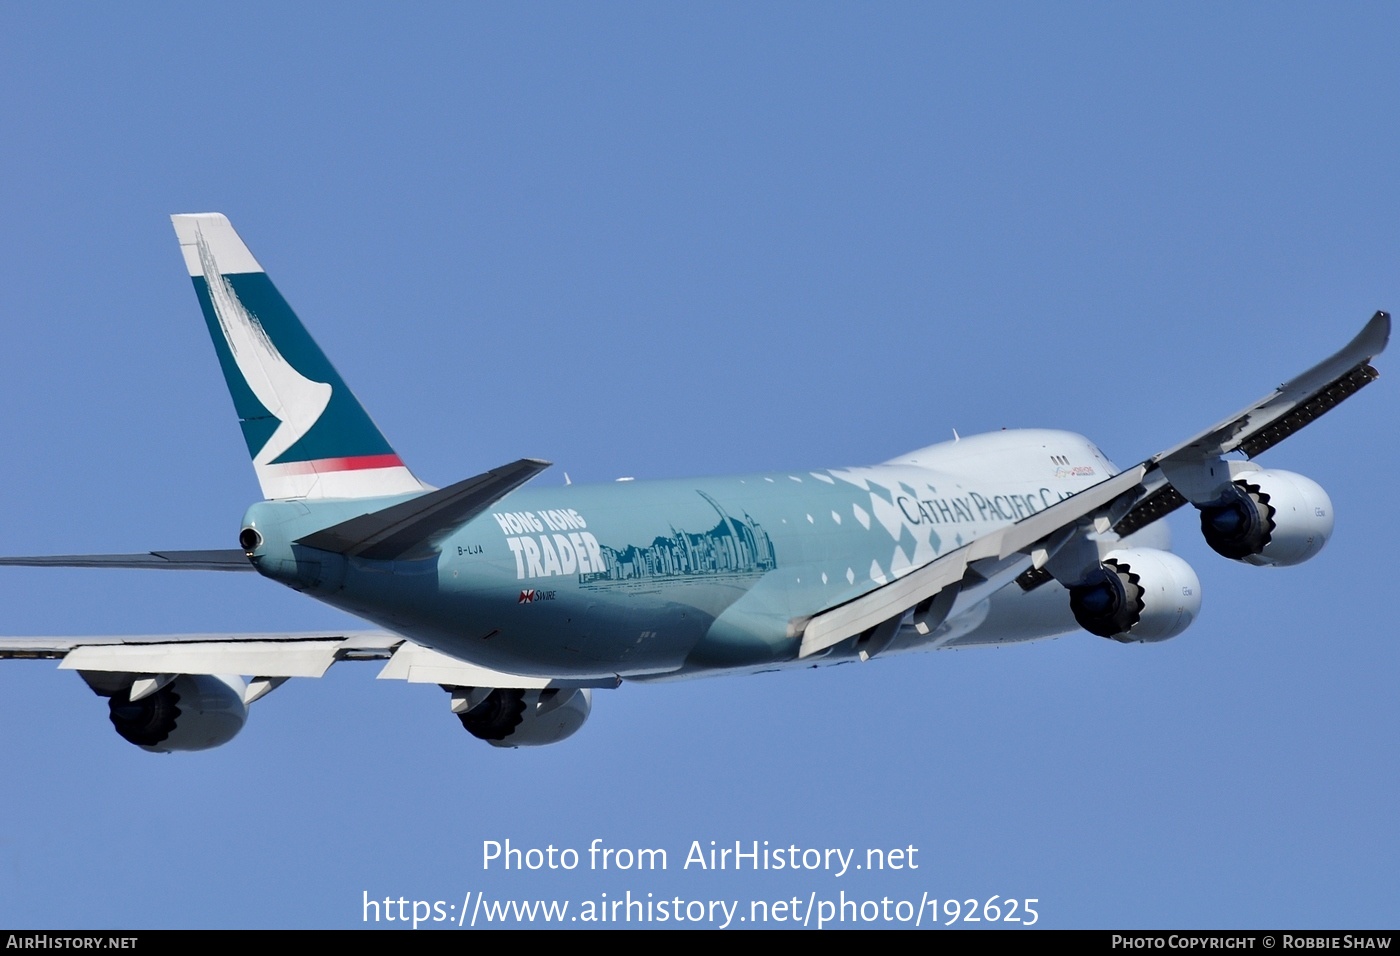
(189, 713)
(1138, 594)
(1269, 518)
(506, 717)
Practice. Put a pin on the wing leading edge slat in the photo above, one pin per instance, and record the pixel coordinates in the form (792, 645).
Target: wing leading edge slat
(1308, 395)
(1254, 430)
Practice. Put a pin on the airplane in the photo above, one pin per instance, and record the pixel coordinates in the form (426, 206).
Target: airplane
(521, 600)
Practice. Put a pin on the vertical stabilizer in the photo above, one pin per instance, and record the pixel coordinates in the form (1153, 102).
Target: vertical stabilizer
(307, 433)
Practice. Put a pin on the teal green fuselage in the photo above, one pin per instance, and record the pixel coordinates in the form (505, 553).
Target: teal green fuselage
(644, 579)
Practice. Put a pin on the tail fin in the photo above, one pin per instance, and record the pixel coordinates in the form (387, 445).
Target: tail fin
(308, 435)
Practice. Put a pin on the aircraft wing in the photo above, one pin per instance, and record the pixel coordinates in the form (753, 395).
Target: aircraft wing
(1296, 402)
(1123, 503)
(268, 658)
(1260, 426)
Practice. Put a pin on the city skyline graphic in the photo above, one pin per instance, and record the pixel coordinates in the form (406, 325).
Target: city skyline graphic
(733, 546)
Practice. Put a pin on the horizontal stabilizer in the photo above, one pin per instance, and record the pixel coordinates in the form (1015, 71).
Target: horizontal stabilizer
(414, 528)
(233, 559)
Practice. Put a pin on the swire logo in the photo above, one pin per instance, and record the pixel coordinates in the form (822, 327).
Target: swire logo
(294, 400)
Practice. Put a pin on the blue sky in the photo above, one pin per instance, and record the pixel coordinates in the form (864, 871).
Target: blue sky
(860, 227)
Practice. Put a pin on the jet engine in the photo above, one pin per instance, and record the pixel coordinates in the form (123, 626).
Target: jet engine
(506, 717)
(1137, 594)
(1269, 518)
(188, 713)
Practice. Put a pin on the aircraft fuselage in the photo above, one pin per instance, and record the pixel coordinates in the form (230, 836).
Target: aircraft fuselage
(678, 577)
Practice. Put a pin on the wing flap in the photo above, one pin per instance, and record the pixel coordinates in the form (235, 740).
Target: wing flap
(423, 665)
(260, 658)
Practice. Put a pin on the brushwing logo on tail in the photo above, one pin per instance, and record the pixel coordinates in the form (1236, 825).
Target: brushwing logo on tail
(293, 399)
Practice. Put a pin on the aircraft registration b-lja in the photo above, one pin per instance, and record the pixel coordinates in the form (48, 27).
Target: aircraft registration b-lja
(521, 601)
